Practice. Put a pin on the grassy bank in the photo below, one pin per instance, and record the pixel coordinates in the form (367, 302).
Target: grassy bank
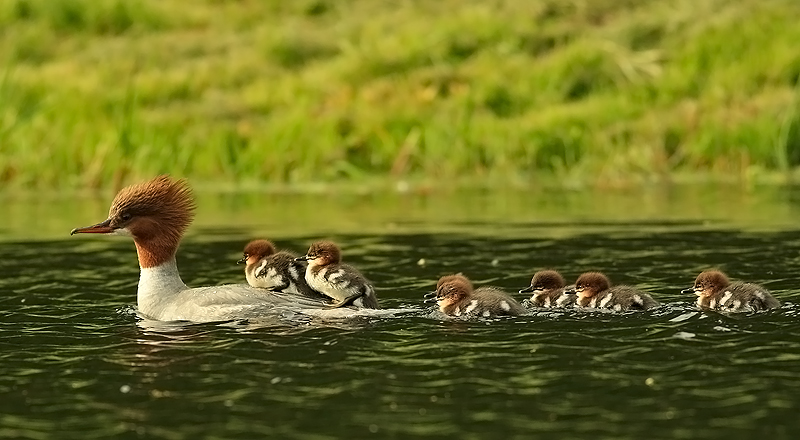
(94, 93)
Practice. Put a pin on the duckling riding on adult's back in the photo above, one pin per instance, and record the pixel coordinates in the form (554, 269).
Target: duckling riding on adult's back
(156, 213)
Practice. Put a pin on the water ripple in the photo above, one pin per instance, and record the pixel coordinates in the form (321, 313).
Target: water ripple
(79, 361)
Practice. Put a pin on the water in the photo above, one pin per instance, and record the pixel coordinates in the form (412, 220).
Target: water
(78, 363)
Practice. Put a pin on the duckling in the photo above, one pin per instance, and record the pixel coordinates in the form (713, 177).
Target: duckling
(456, 296)
(715, 291)
(328, 275)
(594, 290)
(548, 287)
(275, 271)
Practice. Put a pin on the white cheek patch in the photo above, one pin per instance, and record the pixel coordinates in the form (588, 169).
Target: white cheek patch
(125, 232)
(504, 305)
(260, 269)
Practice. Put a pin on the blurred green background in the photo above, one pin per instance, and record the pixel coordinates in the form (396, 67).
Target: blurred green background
(98, 93)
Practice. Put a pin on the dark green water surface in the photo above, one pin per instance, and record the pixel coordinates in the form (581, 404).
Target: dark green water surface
(76, 361)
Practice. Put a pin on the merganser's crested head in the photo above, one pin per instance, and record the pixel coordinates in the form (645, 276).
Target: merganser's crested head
(545, 280)
(590, 284)
(452, 288)
(708, 283)
(322, 253)
(155, 213)
(256, 250)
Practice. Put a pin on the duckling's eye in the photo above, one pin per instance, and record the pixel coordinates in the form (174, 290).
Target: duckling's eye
(125, 216)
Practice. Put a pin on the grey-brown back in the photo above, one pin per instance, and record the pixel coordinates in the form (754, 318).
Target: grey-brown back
(742, 297)
(291, 273)
(621, 298)
(490, 301)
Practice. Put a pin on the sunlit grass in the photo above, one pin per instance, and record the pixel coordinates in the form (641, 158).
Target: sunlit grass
(96, 93)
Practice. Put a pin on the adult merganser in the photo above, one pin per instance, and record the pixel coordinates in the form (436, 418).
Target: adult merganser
(328, 275)
(594, 291)
(715, 291)
(275, 271)
(548, 287)
(156, 213)
(456, 296)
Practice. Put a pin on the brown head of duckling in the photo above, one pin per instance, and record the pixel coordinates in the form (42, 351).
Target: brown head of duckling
(323, 253)
(256, 250)
(451, 289)
(545, 280)
(590, 284)
(708, 283)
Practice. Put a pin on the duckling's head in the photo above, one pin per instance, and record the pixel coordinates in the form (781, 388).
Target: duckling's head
(590, 284)
(323, 253)
(545, 280)
(256, 250)
(708, 283)
(451, 289)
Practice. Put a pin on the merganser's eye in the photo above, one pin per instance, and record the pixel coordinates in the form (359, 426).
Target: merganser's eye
(125, 217)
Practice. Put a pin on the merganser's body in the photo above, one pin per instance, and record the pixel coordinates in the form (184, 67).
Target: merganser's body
(156, 213)
(548, 289)
(456, 296)
(275, 271)
(715, 291)
(343, 283)
(594, 291)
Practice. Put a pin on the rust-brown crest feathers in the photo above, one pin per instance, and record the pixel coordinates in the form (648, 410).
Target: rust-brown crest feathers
(167, 199)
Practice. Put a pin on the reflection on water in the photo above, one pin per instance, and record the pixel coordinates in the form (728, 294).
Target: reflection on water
(78, 362)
